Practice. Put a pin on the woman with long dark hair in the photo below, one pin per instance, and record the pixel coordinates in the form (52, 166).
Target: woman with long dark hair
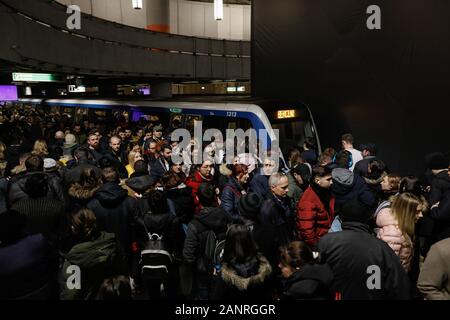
(245, 274)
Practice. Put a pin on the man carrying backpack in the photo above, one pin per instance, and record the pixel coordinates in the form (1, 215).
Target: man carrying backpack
(204, 240)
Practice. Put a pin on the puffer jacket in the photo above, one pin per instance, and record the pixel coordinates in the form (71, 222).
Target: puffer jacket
(313, 219)
(181, 203)
(248, 281)
(390, 233)
(16, 188)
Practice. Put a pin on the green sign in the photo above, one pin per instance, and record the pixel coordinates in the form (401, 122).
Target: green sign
(34, 77)
(176, 110)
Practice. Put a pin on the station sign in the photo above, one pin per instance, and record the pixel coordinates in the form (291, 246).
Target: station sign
(286, 114)
(34, 77)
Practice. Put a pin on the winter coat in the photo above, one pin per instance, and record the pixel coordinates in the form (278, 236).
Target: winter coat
(194, 183)
(278, 214)
(348, 186)
(98, 259)
(313, 219)
(157, 169)
(161, 224)
(115, 213)
(16, 188)
(350, 253)
(310, 282)
(440, 216)
(439, 185)
(249, 281)
(310, 156)
(95, 155)
(3, 190)
(44, 215)
(259, 184)
(231, 194)
(28, 269)
(434, 278)
(263, 235)
(215, 219)
(390, 233)
(73, 175)
(362, 166)
(117, 161)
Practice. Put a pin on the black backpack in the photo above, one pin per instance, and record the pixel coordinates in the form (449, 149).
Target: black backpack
(212, 251)
(155, 258)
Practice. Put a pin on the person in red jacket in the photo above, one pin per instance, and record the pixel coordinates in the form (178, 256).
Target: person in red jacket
(202, 174)
(315, 210)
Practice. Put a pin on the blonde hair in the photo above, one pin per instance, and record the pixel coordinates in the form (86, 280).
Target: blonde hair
(131, 158)
(40, 148)
(404, 207)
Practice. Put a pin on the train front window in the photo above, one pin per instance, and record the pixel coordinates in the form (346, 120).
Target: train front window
(294, 125)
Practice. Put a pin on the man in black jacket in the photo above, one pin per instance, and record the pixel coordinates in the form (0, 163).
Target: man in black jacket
(82, 162)
(276, 210)
(364, 267)
(116, 157)
(210, 218)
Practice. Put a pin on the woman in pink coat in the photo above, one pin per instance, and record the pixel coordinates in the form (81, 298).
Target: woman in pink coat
(396, 220)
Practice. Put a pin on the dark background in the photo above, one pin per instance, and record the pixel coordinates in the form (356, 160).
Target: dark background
(389, 86)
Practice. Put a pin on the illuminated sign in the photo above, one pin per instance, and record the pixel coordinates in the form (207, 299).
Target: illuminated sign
(34, 77)
(176, 110)
(286, 114)
(75, 89)
(8, 93)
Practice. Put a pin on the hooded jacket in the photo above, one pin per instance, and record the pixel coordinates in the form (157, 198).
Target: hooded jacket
(348, 186)
(115, 212)
(350, 253)
(194, 183)
(312, 281)
(248, 281)
(98, 259)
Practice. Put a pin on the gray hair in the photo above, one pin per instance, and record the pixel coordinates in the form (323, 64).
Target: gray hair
(275, 179)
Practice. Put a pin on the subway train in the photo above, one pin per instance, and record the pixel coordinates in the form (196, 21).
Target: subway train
(293, 119)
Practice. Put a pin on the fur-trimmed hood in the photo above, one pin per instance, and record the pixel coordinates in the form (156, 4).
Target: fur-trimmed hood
(78, 191)
(373, 182)
(231, 276)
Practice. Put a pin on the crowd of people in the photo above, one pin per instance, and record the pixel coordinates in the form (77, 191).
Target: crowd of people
(100, 211)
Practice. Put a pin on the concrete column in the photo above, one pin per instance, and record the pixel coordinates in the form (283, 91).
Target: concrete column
(158, 15)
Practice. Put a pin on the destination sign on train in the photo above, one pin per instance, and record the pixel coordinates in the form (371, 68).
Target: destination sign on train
(286, 114)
